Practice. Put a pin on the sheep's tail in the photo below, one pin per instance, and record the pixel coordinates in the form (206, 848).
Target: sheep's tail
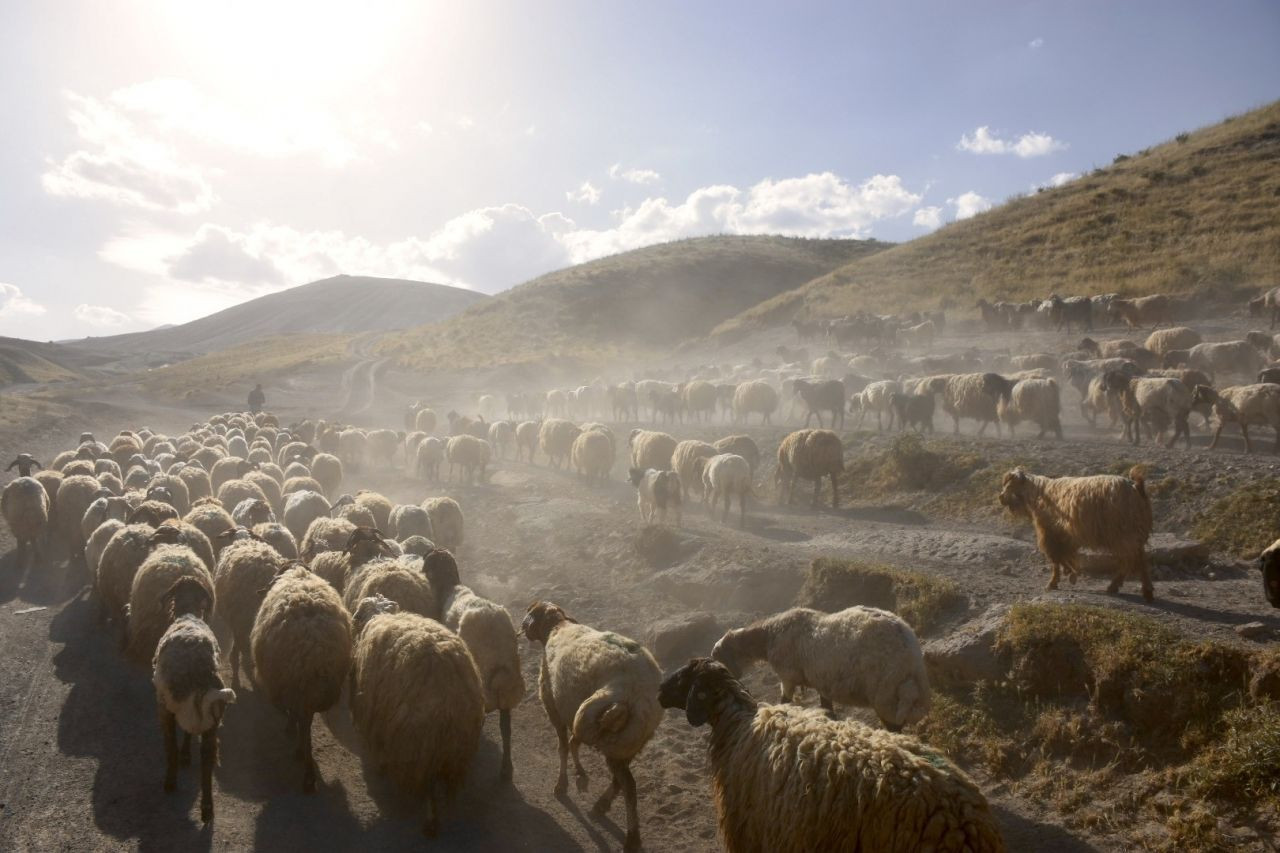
(506, 687)
(603, 717)
(1138, 473)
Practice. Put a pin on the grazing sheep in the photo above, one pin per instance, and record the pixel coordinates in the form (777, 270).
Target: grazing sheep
(912, 410)
(1269, 563)
(877, 397)
(859, 656)
(487, 630)
(599, 689)
(827, 396)
(592, 455)
(809, 454)
(301, 642)
(656, 491)
(1176, 337)
(556, 437)
(1034, 400)
(1069, 513)
(446, 522)
(148, 614)
(429, 456)
(416, 701)
(727, 475)
(1143, 311)
(189, 691)
(651, 449)
(754, 397)
(790, 780)
(743, 445)
(245, 568)
(25, 506)
(687, 461)
(400, 581)
(1232, 358)
(410, 520)
(527, 440)
(1246, 405)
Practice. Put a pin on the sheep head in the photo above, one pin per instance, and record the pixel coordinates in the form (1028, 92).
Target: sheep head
(25, 463)
(1017, 491)
(541, 619)
(368, 608)
(441, 570)
(364, 543)
(995, 385)
(1269, 564)
(187, 596)
(700, 688)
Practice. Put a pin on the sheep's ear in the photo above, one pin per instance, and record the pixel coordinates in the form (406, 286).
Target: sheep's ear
(12, 465)
(697, 707)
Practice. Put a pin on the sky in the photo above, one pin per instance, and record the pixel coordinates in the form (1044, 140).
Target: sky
(163, 160)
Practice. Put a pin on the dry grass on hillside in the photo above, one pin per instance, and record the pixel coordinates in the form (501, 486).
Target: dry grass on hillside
(640, 300)
(246, 364)
(1196, 213)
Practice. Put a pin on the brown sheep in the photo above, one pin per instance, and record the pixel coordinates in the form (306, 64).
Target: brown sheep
(1246, 405)
(809, 454)
(742, 445)
(1143, 311)
(1069, 513)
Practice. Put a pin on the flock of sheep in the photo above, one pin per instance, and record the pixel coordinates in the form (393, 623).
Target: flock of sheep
(237, 524)
(242, 524)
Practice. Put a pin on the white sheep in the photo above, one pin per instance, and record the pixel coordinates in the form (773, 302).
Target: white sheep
(148, 615)
(650, 449)
(599, 689)
(1035, 400)
(245, 568)
(25, 506)
(754, 397)
(1246, 405)
(189, 690)
(401, 581)
(858, 656)
(592, 455)
(428, 458)
(876, 397)
(487, 630)
(1231, 358)
(687, 460)
(301, 644)
(446, 522)
(791, 780)
(416, 701)
(656, 492)
(410, 520)
(727, 475)
(527, 440)
(502, 435)
(809, 454)
(1157, 402)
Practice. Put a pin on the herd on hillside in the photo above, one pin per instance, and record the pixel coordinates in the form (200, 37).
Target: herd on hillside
(325, 596)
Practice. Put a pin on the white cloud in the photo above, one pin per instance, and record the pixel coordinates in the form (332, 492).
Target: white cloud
(927, 217)
(100, 315)
(585, 194)
(634, 176)
(1036, 43)
(1033, 144)
(425, 128)
(14, 304)
(1057, 180)
(531, 130)
(491, 248)
(466, 122)
(970, 204)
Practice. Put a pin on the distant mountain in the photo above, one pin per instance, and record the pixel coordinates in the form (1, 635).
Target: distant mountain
(650, 298)
(343, 304)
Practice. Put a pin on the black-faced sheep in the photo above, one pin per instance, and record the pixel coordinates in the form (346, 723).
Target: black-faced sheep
(416, 701)
(189, 691)
(301, 644)
(809, 454)
(913, 410)
(599, 689)
(791, 780)
(487, 630)
(656, 492)
(859, 656)
(1069, 513)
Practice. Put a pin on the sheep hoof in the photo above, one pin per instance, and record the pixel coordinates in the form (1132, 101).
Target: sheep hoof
(562, 787)
(170, 785)
(206, 812)
(1148, 594)
(1052, 585)
(602, 805)
(632, 844)
(583, 783)
(506, 773)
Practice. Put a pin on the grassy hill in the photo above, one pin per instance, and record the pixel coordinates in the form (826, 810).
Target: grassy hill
(23, 362)
(240, 366)
(1200, 212)
(647, 298)
(340, 305)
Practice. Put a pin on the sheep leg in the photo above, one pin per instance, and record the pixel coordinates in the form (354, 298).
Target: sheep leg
(308, 774)
(622, 773)
(169, 724)
(504, 725)
(208, 758)
(234, 654)
(956, 431)
(579, 772)
(184, 756)
(817, 485)
(1217, 432)
(1148, 593)
(1244, 430)
(1053, 579)
(827, 706)
(562, 782)
(835, 493)
(725, 518)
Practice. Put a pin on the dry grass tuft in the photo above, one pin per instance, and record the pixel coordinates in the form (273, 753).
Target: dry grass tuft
(1245, 521)
(925, 602)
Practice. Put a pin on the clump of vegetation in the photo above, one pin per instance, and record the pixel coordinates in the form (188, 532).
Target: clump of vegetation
(1244, 522)
(1245, 762)
(924, 601)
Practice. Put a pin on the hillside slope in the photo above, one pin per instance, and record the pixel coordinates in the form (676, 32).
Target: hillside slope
(648, 298)
(340, 305)
(1199, 212)
(24, 362)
